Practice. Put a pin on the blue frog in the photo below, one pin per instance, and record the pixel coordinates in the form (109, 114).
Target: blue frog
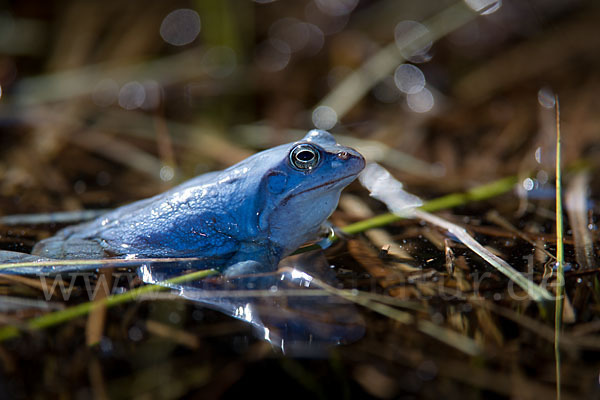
(243, 219)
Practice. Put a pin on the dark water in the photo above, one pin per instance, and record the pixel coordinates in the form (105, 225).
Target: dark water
(290, 308)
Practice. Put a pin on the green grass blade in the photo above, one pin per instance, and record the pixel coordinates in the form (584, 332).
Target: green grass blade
(560, 274)
(58, 317)
(478, 193)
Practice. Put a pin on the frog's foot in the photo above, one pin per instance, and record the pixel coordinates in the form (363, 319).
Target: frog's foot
(9, 258)
(244, 268)
(330, 232)
(59, 248)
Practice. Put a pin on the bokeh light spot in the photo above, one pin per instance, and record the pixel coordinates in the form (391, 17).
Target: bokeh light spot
(180, 27)
(132, 95)
(316, 40)
(409, 79)
(327, 23)
(546, 97)
(420, 102)
(135, 334)
(528, 184)
(542, 177)
(413, 40)
(219, 62)
(324, 117)
(484, 7)
(291, 31)
(152, 95)
(273, 55)
(167, 173)
(105, 93)
(336, 7)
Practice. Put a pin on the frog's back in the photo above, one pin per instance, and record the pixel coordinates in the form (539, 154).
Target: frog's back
(182, 222)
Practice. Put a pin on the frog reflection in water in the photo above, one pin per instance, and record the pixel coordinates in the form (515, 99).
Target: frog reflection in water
(245, 218)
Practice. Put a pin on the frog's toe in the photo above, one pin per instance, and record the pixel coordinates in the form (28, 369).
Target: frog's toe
(244, 268)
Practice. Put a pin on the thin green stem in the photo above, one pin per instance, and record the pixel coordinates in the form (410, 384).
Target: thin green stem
(58, 317)
(478, 193)
(560, 275)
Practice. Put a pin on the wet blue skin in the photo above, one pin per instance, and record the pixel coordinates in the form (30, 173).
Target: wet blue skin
(242, 219)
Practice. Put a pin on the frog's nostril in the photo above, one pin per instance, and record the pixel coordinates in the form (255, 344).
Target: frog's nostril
(343, 155)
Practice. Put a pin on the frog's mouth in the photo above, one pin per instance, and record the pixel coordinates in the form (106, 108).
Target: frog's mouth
(326, 184)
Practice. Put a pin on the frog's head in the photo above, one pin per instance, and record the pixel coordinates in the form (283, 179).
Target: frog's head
(301, 187)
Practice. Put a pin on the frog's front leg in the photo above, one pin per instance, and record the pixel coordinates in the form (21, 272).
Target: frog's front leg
(249, 267)
(329, 232)
(254, 257)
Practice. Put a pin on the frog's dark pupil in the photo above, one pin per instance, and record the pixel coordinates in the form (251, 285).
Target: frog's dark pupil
(305, 156)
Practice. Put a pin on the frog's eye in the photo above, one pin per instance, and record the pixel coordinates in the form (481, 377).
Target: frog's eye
(304, 156)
